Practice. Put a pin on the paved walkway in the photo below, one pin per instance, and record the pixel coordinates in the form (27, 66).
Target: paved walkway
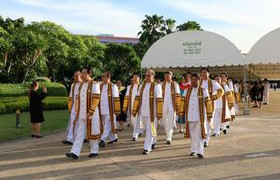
(250, 151)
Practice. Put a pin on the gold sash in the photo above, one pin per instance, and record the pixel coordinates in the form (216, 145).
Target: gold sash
(223, 118)
(112, 100)
(176, 98)
(185, 108)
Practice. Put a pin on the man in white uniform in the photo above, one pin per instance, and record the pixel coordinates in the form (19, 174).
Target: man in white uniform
(87, 117)
(171, 104)
(222, 113)
(197, 107)
(109, 108)
(148, 105)
(130, 95)
(71, 108)
(215, 92)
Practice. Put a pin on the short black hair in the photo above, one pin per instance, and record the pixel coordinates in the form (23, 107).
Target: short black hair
(189, 73)
(216, 75)
(88, 69)
(169, 72)
(195, 75)
(205, 68)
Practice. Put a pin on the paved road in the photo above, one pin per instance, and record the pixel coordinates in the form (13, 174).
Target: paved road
(250, 151)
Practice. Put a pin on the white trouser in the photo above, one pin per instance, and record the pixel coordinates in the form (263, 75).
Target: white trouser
(197, 145)
(149, 139)
(80, 137)
(71, 132)
(136, 126)
(217, 121)
(168, 121)
(107, 129)
(209, 129)
(266, 97)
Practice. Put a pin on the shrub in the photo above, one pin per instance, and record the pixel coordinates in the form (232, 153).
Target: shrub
(10, 104)
(13, 90)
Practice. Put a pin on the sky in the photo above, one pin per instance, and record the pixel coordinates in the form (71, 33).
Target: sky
(243, 22)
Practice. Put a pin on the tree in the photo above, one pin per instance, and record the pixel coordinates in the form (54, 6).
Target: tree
(152, 29)
(169, 25)
(58, 42)
(190, 25)
(121, 60)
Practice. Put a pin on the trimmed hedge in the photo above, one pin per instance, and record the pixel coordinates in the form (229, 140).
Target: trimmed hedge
(10, 104)
(13, 90)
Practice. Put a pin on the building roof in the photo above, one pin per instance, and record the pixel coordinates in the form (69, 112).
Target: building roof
(113, 39)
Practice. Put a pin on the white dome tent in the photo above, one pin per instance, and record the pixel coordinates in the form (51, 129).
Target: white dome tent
(264, 57)
(190, 50)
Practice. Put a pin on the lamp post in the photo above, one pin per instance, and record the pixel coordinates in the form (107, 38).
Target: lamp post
(17, 118)
(246, 110)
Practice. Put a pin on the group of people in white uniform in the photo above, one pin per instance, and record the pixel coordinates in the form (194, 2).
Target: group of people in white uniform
(208, 105)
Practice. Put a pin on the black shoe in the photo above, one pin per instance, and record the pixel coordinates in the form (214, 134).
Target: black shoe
(200, 156)
(154, 146)
(225, 131)
(67, 142)
(111, 142)
(39, 136)
(33, 135)
(139, 135)
(72, 155)
(133, 139)
(168, 142)
(91, 155)
(145, 152)
(192, 154)
(86, 141)
(228, 126)
(102, 143)
(215, 135)
(205, 144)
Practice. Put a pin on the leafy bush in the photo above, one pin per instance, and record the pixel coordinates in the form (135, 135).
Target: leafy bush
(13, 90)
(43, 79)
(10, 104)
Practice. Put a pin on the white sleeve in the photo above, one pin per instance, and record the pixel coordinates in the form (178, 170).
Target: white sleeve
(158, 91)
(231, 86)
(127, 91)
(177, 88)
(216, 86)
(115, 90)
(226, 88)
(95, 88)
(71, 89)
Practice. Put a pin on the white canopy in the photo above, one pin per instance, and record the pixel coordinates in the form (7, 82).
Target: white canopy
(185, 49)
(264, 57)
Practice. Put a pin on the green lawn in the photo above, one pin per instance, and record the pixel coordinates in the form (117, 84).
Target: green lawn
(54, 120)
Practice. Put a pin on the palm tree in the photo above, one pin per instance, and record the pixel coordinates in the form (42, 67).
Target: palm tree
(151, 29)
(190, 25)
(169, 26)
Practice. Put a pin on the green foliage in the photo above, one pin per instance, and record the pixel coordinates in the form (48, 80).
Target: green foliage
(10, 104)
(121, 60)
(12, 90)
(155, 27)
